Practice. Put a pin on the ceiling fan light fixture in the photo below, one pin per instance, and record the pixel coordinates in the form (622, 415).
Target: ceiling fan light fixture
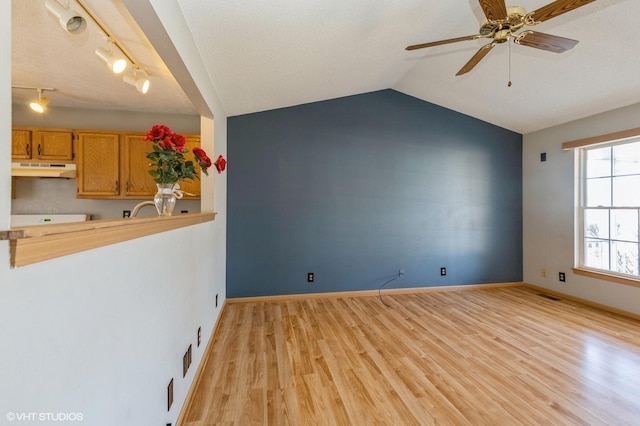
(115, 63)
(70, 20)
(142, 84)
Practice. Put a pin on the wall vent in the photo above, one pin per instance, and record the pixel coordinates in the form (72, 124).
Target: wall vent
(548, 296)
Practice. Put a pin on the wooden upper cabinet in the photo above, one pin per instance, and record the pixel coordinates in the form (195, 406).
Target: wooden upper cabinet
(114, 165)
(21, 144)
(135, 166)
(98, 164)
(54, 145)
(42, 144)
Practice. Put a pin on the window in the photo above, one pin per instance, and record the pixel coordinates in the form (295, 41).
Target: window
(609, 213)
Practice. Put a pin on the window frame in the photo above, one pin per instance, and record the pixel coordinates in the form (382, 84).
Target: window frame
(581, 146)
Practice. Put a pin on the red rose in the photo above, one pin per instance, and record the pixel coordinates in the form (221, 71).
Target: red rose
(202, 158)
(199, 152)
(221, 164)
(178, 141)
(158, 133)
(167, 144)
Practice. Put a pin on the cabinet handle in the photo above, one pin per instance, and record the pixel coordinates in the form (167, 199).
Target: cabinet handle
(28, 148)
(117, 188)
(39, 150)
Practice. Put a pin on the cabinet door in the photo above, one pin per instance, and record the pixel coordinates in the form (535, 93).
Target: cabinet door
(20, 144)
(53, 145)
(98, 165)
(191, 186)
(135, 167)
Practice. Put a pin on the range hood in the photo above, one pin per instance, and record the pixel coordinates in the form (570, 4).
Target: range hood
(51, 170)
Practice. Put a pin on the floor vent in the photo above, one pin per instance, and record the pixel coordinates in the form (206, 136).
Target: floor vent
(547, 296)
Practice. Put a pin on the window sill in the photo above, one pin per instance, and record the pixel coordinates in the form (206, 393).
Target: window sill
(607, 277)
(32, 244)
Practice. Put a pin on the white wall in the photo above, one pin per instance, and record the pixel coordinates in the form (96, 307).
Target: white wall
(102, 332)
(549, 210)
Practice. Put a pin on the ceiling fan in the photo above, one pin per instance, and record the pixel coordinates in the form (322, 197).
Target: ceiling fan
(503, 21)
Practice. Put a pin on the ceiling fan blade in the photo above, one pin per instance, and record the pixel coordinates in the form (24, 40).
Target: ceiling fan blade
(438, 43)
(556, 8)
(494, 9)
(476, 58)
(545, 41)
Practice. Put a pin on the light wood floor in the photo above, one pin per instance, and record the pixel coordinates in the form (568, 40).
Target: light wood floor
(504, 356)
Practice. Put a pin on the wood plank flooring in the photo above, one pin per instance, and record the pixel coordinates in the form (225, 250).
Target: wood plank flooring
(503, 356)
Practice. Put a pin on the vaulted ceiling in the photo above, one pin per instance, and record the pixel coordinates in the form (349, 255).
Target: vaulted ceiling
(263, 55)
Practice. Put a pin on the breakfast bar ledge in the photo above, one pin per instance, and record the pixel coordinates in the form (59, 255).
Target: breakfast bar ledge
(32, 244)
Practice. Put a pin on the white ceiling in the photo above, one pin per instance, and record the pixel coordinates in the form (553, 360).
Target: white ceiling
(270, 54)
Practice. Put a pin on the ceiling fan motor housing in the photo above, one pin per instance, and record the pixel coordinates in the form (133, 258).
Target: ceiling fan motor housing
(514, 21)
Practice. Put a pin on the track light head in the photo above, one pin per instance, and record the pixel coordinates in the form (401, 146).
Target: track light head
(39, 105)
(115, 63)
(142, 84)
(70, 20)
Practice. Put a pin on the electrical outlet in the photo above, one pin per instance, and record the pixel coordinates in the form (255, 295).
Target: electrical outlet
(199, 335)
(126, 213)
(310, 277)
(543, 272)
(170, 395)
(184, 211)
(562, 277)
(401, 273)
(443, 271)
(185, 367)
(186, 361)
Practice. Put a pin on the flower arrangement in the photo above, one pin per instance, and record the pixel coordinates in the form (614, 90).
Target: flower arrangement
(168, 162)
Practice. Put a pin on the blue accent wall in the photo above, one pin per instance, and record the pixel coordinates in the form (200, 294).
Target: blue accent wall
(354, 189)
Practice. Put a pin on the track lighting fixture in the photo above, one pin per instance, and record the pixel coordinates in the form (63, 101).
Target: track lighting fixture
(141, 83)
(38, 105)
(115, 63)
(70, 20)
(115, 56)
